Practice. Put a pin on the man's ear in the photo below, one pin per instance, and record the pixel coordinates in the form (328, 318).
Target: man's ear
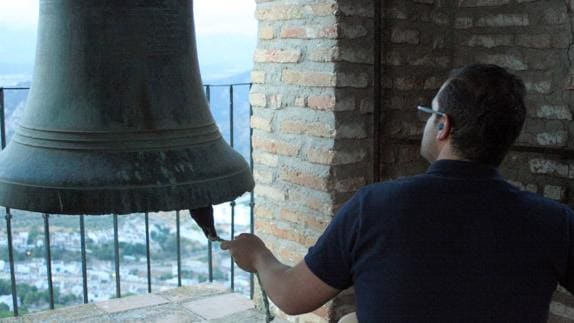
(443, 128)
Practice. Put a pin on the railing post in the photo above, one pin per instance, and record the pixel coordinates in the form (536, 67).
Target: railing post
(84, 264)
(11, 260)
(178, 242)
(117, 257)
(2, 120)
(231, 143)
(251, 196)
(209, 245)
(48, 258)
(147, 252)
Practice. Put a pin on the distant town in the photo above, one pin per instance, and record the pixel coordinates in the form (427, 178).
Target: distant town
(30, 260)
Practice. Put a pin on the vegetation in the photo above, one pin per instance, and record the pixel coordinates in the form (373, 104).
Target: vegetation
(32, 297)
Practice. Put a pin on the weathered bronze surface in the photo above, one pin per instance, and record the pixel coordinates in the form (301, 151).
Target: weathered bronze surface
(117, 120)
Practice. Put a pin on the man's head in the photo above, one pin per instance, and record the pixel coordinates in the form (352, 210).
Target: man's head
(485, 111)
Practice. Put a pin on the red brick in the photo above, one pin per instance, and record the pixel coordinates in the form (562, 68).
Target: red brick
(316, 182)
(261, 123)
(275, 146)
(263, 212)
(277, 55)
(258, 77)
(324, 9)
(317, 129)
(266, 33)
(287, 12)
(324, 102)
(319, 79)
(315, 222)
(294, 32)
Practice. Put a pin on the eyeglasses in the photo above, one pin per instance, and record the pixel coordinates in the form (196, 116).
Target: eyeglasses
(429, 110)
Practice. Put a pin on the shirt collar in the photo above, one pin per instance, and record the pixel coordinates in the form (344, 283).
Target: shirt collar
(463, 169)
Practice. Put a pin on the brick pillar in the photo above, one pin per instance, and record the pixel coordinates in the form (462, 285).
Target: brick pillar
(312, 120)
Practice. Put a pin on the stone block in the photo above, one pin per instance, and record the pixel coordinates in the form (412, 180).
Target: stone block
(510, 61)
(463, 22)
(554, 192)
(548, 167)
(554, 112)
(352, 79)
(557, 138)
(481, 3)
(216, 307)
(350, 184)
(405, 36)
(488, 41)
(539, 41)
(503, 20)
(555, 16)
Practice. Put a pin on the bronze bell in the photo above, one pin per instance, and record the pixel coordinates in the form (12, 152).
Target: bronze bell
(117, 120)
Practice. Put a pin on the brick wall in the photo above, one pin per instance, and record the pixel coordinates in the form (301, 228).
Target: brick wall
(313, 103)
(312, 100)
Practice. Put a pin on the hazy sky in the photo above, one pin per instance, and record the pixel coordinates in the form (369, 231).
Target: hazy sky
(222, 27)
(230, 17)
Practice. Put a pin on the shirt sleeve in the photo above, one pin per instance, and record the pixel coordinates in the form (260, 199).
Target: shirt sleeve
(331, 257)
(568, 278)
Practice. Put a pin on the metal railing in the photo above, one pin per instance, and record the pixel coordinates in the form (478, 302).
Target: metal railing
(116, 245)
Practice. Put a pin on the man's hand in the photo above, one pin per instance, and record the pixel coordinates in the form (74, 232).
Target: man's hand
(247, 250)
(294, 290)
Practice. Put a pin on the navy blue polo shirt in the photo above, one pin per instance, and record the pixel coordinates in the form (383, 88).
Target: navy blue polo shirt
(456, 244)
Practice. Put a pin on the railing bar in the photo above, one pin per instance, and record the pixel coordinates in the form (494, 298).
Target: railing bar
(231, 132)
(15, 88)
(84, 263)
(11, 260)
(209, 260)
(231, 143)
(209, 246)
(232, 267)
(227, 84)
(48, 258)
(117, 257)
(251, 197)
(178, 242)
(2, 120)
(147, 252)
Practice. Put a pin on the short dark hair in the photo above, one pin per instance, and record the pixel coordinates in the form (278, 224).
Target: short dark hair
(487, 111)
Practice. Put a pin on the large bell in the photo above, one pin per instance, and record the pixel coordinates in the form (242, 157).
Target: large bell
(117, 120)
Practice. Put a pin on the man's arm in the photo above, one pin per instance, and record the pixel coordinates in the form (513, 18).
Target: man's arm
(295, 290)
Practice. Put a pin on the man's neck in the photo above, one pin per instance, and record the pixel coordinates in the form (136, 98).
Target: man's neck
(448, 153)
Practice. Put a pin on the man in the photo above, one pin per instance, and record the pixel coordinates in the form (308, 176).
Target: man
(457, 243)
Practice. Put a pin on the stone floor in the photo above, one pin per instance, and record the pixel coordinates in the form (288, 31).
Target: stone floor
(199, 303)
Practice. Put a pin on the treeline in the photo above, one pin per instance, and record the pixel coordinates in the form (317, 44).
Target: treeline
(31, 297)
